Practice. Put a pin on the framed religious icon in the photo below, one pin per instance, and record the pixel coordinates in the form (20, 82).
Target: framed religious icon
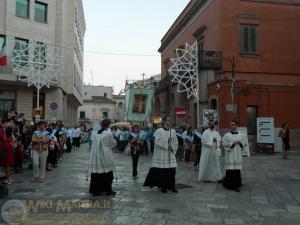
(139, 103)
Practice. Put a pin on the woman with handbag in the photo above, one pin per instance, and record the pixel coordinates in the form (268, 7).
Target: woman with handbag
(136, 145)
(284, 133)
(40, 144)
(188, 143)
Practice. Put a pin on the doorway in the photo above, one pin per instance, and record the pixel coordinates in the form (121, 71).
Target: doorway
(251, 119)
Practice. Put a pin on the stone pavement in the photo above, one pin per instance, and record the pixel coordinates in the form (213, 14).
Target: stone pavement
(270, 195)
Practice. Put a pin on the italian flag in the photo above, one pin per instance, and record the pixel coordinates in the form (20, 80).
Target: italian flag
(3, 57)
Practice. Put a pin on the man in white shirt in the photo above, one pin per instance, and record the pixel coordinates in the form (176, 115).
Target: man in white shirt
(77, 135)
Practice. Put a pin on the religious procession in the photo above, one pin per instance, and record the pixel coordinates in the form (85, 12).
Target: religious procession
(165, 112)
(200, 148)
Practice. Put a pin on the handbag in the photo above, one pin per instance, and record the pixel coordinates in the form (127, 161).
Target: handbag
(127, 150)
(193, 156)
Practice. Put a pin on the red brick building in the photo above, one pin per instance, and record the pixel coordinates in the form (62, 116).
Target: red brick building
(263, 36)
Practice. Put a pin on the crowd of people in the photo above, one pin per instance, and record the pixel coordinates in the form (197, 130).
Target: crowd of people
(42, 144)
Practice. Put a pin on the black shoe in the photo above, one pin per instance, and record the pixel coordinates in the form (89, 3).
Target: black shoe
(96, 194)
(111, 193)
(237, 190)
(164, 190)
(175, 190)
(221, 181)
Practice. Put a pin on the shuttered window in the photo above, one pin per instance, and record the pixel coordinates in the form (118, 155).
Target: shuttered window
(249, 39)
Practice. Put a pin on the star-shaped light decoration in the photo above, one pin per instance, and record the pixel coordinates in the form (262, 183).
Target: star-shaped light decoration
(38, 64)
(184, 70)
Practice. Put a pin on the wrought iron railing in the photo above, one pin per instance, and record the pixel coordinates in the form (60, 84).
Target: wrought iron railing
(210, 60)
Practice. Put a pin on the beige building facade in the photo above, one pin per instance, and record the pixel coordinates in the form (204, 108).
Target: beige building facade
(100, 103)
(58, 23)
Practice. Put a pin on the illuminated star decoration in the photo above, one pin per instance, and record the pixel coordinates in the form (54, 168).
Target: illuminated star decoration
(38, 64)
(185, 69)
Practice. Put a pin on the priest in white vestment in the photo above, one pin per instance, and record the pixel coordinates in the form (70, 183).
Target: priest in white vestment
(234, 143)
(101, 164)
(163, 164)
(209, 169)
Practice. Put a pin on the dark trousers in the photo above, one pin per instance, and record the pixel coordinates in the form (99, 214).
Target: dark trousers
(152, 146)
(123, 145)
(76, 141)
(135, 160)
(179, 153)
(52, 157)
(187, 153)
(69, 145)
(18, 163)
(145, 148)
(198, 152)
(232, 180)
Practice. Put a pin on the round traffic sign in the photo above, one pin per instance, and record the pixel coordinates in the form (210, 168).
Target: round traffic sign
(53, 105)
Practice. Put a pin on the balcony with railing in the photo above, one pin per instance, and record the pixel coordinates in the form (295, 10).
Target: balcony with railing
(210, 60)
(7, 69)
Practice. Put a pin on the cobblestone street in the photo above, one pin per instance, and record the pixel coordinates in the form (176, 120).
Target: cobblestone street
(270, 195)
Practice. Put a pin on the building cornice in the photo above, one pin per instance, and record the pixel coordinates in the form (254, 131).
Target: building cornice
(183, 19)
(178, 26)
(282, 2)
(99, 102)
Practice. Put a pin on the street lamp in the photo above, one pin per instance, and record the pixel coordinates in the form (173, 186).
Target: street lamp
(233, 87)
